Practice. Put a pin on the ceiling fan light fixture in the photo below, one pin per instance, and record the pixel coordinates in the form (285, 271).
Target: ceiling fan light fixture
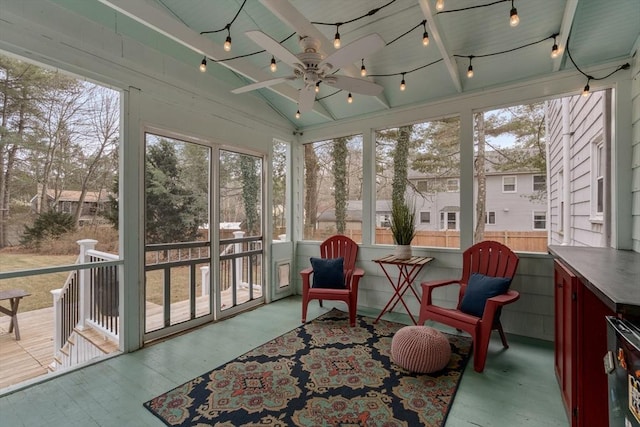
(203, 64)
(514, 19)
(273, 67)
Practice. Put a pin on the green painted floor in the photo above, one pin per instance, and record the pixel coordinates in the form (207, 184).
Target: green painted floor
(517, 388)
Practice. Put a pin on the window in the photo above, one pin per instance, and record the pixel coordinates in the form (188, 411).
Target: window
(453, 185)
(279, 201)
(597, 170)
(539, 183)
(508, 184)
(333, 188)
(539, 220)
(448, 221)
(560, 198)
(424, 159)
(490, 218)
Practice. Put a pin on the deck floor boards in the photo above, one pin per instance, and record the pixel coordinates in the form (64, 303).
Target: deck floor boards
(517, 388)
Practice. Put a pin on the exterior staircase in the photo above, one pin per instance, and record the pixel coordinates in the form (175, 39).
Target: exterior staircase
(82, 346)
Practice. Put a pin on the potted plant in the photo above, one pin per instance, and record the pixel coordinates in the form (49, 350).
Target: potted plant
(403, 228)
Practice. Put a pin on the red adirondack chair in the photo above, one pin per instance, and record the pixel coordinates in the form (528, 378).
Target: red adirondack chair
(335, 247)
(487, 258)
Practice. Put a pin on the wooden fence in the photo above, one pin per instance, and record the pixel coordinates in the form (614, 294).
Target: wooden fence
(525, 241)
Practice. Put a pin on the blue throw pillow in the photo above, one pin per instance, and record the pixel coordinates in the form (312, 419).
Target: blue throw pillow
(479, 288)
(328, 273)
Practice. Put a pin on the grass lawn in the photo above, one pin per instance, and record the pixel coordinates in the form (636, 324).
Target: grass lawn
(38, 286)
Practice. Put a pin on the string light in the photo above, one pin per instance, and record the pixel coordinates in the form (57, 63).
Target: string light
(425, 35)
(336, 40)
(514, 19)
(363, 69)
(350, 98)
(273, 67)
(403, 85)
(298, 114)
(555, 51)
(470, 68)
(585, 91)
(227, 42)
(317, 89)
(439, 4)
(203, 64)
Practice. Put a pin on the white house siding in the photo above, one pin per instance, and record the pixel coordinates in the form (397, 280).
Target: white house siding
(586, 125)
(635, 187)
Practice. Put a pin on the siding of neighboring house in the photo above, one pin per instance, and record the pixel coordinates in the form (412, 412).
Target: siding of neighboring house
(588, 130)
(635, 165)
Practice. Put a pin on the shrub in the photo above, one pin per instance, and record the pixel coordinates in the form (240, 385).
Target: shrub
(47, 225)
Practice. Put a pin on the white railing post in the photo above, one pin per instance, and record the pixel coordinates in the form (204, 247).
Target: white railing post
(57, 321)
(84, 281)
(204, 277)
(236, 250)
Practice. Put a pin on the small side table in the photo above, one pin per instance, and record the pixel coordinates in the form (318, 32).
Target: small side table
(14, 296)
(408, 269)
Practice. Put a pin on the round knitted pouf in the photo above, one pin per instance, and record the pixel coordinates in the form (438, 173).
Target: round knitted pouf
(420, 349)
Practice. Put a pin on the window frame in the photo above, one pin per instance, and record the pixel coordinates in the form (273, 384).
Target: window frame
(597, 179)
(487, 218)
(535, 214)
(543, 183)
(428, 219)
(515, 184)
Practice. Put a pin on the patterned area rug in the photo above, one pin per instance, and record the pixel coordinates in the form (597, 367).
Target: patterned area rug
(323, 373)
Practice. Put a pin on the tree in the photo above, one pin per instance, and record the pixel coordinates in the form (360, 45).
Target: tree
(479, 167)
(250, 177)
(339, 170)
(310, 189)
(400, 167)
(171, 209)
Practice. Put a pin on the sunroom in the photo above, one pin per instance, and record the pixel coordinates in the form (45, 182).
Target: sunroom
(290, 114)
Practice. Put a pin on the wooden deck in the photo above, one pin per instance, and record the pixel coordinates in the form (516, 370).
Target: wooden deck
(29, 358)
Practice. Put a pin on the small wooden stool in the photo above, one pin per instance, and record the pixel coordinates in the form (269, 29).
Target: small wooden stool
(14, 296)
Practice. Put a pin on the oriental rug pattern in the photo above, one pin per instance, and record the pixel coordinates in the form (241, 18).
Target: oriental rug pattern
(323, 373)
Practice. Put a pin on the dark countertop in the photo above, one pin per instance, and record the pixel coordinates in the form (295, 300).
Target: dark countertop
(612, 275)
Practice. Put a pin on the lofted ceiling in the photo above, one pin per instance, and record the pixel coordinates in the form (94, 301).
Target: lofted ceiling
(598, 32)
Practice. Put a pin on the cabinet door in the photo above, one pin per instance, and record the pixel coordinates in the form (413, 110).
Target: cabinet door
(565, 339)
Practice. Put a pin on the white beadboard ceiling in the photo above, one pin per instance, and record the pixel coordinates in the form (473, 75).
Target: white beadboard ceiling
(597, 31)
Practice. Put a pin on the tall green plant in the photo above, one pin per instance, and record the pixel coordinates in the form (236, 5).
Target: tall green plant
(403, 225)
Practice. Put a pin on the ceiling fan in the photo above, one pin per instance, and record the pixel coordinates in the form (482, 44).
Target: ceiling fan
(310, 66)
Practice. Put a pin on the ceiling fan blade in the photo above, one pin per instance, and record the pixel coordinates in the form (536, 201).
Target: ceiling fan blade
(306, 99)
(354, 85)
(274, 48)
(353, 51)
(260, 85)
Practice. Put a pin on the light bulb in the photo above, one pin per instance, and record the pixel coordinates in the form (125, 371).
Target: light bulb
(363, 70)
(439, 4)
(514, 20)
(273, 67)
(585, 91)
(317, 89)
(470, 71)
(298, 114)
(350, 98)
(336, 41)
(203, 65)
(227, 44)
(403, 85)
(425, 39)
(555, 51)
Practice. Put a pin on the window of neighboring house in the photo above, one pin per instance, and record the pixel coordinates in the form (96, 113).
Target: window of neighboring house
(560, 199)
(385, 221)
(332, 177)
(509, 184)
(425, 157)
(448, 221)
(597, 184)
(539, 183)
(540, 220)
(490, 218)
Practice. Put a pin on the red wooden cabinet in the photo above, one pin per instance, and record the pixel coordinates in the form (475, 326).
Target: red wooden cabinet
(580, 345)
